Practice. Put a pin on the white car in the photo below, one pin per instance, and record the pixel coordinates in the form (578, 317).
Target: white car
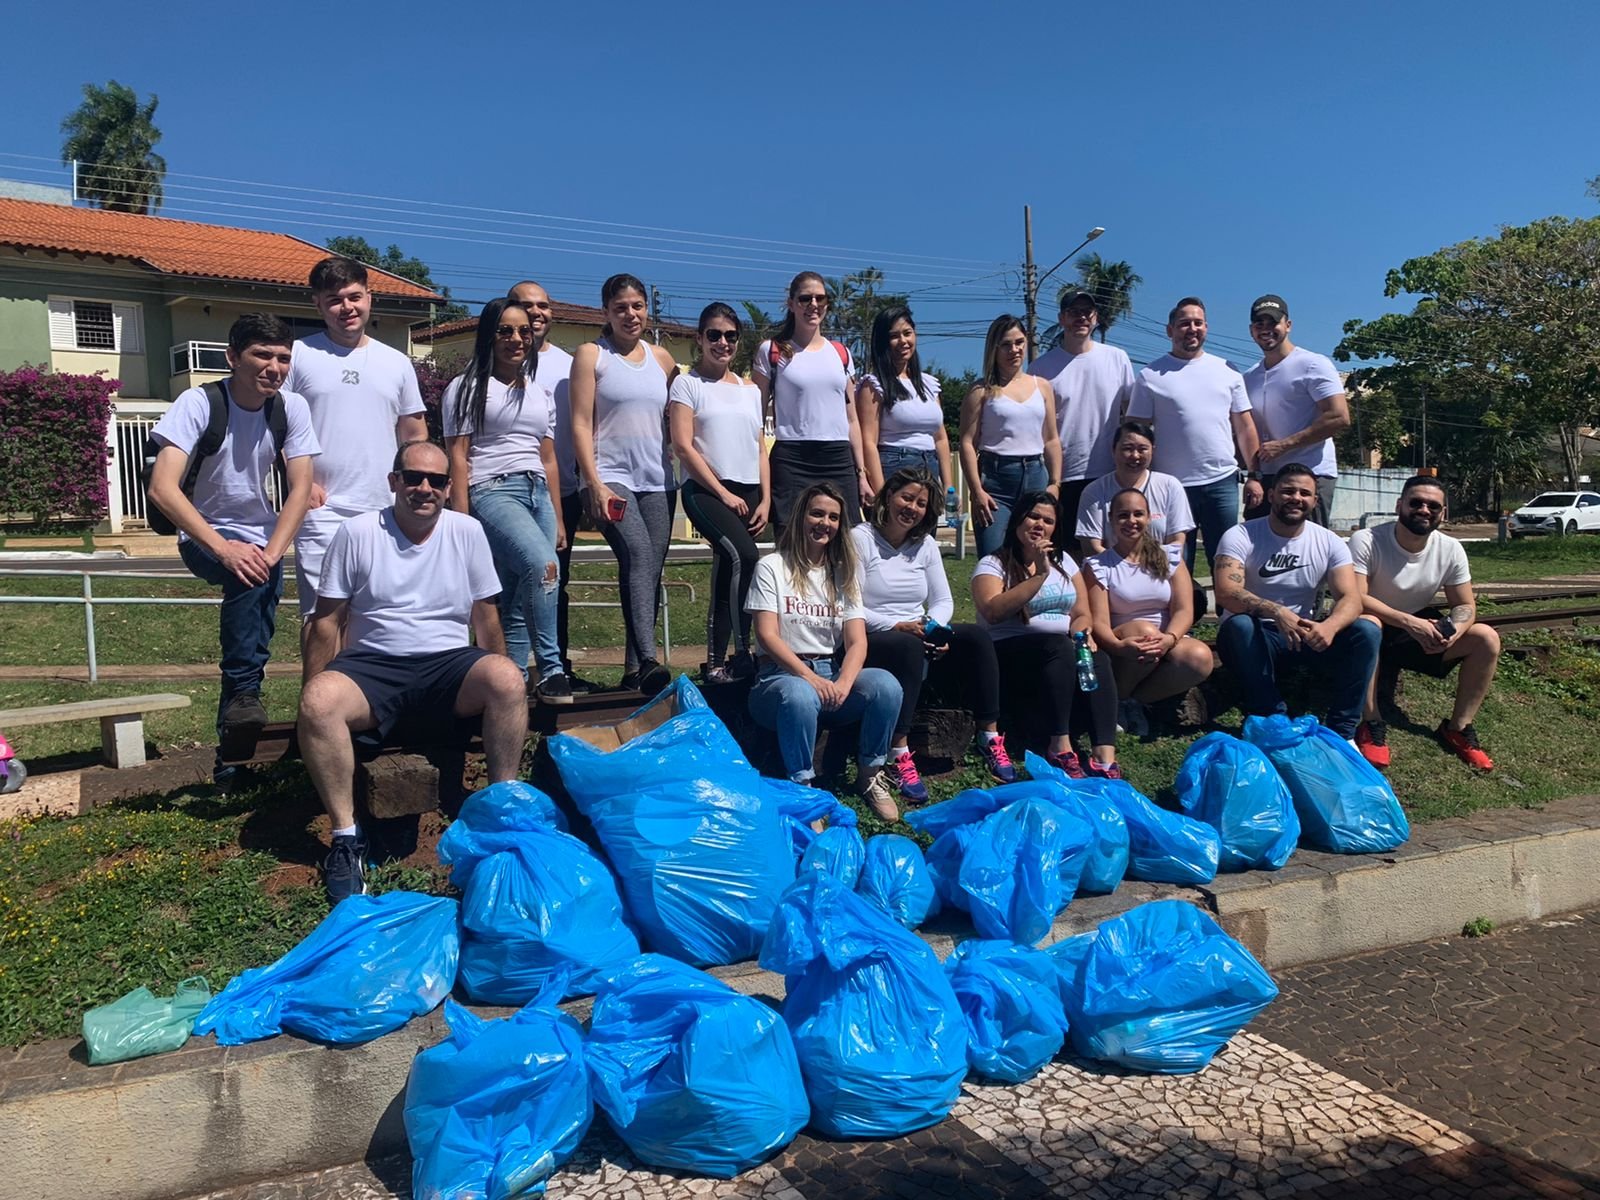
(1557, 512)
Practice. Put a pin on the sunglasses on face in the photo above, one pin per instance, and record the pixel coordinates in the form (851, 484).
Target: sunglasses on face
(713, 336)
(1430, 505)
(811, 301)
(437, 480)
(522, 333)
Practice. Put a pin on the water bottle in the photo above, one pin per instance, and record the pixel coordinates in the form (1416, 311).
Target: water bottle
(1087, 679)
(951, 506)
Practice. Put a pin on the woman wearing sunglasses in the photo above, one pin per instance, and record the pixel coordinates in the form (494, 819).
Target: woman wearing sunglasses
(806, 380)
(499, 427)
(619, 387)
(715, 417)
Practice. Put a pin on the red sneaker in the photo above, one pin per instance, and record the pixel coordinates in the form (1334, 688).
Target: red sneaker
(1464, 744)
(1066, 761)
(1372, 739)
(1100, 770)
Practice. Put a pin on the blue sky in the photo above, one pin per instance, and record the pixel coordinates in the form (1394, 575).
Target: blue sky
(715, 150)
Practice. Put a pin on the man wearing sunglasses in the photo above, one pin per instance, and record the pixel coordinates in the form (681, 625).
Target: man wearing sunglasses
(1400, 567)
(407, 582)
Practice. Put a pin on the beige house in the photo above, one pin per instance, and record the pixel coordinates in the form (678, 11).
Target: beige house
(571, 326)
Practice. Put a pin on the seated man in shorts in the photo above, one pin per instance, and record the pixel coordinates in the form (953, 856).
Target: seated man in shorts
(406, 582)
(1400, 567)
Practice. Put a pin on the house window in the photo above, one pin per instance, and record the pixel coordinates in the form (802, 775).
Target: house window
(95, 325)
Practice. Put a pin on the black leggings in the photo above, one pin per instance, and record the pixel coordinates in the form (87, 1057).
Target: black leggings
(1044, 666)
(967, 669)
(733, 563)
(571, 515)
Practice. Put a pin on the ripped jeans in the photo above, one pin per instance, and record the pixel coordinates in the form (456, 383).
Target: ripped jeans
(519, 519)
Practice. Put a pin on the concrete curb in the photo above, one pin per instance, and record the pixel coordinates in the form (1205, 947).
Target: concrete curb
(207, 1116)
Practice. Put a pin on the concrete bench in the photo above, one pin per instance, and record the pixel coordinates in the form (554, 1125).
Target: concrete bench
(121, 721)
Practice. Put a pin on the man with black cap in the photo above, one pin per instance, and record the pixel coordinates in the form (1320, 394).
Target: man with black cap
(1092, 383)
(1298, 402)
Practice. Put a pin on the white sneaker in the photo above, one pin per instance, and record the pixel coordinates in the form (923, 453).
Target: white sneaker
(879, 796)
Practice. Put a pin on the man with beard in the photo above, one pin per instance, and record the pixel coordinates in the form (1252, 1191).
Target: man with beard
(1268, 574)
(408, 581)
(1400, 567)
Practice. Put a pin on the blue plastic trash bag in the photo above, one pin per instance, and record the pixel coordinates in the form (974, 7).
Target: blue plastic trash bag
(895, 878)
(143, 1023)
(701, 849)
(802, 804)
(494, 1109)
(1345, 805)
(693, 1075)
(373, 964)
(881, 1039)
(1107, 862)
(1232, 787)
(1022, 867)
(1163, 847)
(1012, 998)
(966, 807)
(534, 900)
(943, 861)
(1160, 988)
(513, 805)
(839, 851)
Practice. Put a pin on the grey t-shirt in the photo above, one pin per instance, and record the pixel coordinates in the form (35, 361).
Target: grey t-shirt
(1286, 571)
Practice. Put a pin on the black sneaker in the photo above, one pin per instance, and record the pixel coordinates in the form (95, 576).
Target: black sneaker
(742, 665)
(579, 685)
(554, 689)
(650, 678)
(242, 722)
(344, 871)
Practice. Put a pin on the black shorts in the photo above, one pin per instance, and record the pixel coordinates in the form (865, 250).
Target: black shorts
(416, 692)
(1398, 651)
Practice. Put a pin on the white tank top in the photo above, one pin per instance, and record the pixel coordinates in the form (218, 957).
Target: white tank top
(1012, 427)
(630, 404)
(912, 421)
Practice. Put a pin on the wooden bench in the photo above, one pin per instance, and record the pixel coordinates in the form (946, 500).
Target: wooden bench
(121, 721)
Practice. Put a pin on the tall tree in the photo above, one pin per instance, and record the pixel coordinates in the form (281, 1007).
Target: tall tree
(1111, 284)
(397, 262)
(113, 137)
(856, 301)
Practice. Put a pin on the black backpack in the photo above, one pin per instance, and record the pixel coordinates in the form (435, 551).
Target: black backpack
(210, 442)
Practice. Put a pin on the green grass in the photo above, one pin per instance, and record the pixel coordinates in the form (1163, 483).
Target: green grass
(1531, 558)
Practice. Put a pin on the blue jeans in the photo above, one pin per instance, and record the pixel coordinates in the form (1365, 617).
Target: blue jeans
(1216, 510)
(1007, 480)
(519, 519)
(893, 458)
(1254, 650)
(249, 615)
(790, 705)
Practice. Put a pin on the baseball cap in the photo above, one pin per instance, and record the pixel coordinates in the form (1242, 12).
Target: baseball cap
(1075, 295)
(1270, 304)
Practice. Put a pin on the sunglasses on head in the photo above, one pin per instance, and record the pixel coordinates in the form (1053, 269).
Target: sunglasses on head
(520, 332)
(731, 336)
(437, 480)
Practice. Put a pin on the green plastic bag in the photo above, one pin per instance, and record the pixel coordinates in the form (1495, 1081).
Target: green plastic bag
(142, 1023)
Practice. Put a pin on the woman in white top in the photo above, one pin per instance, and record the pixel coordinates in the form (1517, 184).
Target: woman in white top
(715, 418)
(905, 596)
(1010, 446)
(1142, 604)
(618, 388)
(813, 644)
(1030, 596)
(499, 434)
(902, 424)
(1134, 446)
(805, 379)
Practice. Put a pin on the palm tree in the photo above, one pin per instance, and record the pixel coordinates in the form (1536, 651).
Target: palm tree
(113, 137)
(1112, 285)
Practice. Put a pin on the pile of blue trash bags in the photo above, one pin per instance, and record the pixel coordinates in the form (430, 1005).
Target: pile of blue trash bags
(702, 861)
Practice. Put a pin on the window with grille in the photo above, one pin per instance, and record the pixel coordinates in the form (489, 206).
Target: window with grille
(95, 325)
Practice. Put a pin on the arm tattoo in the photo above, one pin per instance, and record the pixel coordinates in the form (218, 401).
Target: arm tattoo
(1463, 615)
(1232, 573)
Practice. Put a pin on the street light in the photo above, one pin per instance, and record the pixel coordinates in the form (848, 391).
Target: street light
(1032, 282)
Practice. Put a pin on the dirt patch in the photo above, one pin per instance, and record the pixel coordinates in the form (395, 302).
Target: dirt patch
(289, 877)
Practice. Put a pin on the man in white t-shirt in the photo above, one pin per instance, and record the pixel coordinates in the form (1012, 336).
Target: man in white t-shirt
(552, 375)
(405, 584)
(228, 533)
(1298, 402)
(1201, 413)
(364, 401)
(1400, 567)
(1268, 573)
(1092, 383)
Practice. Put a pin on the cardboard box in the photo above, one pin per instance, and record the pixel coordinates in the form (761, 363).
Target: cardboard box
(607, 738)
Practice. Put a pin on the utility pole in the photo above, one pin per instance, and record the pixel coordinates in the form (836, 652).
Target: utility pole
(655, 313)
(1030, 279)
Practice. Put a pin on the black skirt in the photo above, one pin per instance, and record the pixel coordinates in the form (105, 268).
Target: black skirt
(798, 465)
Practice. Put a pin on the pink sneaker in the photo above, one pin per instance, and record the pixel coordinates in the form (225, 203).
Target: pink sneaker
(1100, 770)
(1066, 761)
(902, 768)
(997, 760)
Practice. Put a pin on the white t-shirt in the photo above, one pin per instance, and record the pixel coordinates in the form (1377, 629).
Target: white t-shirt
(1132, 593)
(1163, 495)
(1403, 580)
(407, 599)
(515, 421)
(1286, 571)
(356, 397)
(1189, 400)
(630, 408)
(809, 399)
(727, 424)
(912, 421)
(808, 624)
(230, 491)
(552, 375)
(1050, 610)
(1283, 401)
(1091, 390)
(1014, 428)
(904, 584)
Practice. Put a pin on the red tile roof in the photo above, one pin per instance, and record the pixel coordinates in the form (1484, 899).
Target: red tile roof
(179, 247)
(560, 312)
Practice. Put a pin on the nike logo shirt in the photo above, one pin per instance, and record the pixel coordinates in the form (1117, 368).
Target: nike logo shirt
(1285, 570)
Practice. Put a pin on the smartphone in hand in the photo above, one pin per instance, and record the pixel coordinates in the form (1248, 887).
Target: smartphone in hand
(615, 508)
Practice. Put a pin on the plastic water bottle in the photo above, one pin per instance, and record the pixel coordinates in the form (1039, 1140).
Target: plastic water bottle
(1087, 679)
(951, 507)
